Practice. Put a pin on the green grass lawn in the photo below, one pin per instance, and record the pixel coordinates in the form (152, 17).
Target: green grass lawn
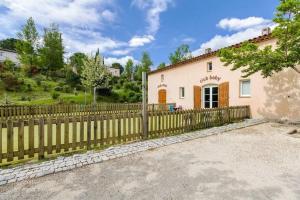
(124, 131)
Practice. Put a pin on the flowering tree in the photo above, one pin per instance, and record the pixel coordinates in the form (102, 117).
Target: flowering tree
(94, 74)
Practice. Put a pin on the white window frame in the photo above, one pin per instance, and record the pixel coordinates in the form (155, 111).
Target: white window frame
(210, 86)
(241, 88)
(162, 78)
(181, 94)
(208, 65)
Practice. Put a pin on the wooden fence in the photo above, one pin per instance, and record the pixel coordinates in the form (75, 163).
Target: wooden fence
(26, 112)
(40, 137)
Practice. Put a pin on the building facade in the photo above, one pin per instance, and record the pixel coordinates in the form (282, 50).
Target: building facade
(204, 82)
(8, 54)
(114, 71)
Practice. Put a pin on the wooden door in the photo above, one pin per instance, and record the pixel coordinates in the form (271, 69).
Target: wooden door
(224, 94)
(162, 96)
(197, 97)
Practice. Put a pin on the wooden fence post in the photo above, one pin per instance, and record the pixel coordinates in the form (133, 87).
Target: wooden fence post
(145, 110)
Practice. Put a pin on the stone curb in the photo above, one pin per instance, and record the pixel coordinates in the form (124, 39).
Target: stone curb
(28, 171)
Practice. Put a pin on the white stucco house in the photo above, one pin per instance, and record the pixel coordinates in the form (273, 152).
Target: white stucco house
(9, 54)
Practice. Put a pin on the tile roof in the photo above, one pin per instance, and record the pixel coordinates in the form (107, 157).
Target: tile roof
(213, 53)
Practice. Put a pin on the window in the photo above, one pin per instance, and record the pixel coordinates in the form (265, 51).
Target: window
(162, 78)
(181, 92)
(209, 66)
(245, 88)
(211, 96)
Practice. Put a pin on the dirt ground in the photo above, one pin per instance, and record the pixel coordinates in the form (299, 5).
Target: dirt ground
(259, 162)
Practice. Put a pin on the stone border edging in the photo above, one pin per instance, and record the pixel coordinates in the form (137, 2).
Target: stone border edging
(28, 171)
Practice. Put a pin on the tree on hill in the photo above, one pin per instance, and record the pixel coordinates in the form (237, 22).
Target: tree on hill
(269, 60)
(161, 65)
(76, 61)
(129, 70)
(52, 53)
(182, 53)
(27, 46)
(94, 74)
(9, 44)
(144, 66)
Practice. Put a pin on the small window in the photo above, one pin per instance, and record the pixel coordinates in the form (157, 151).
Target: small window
(162, 78)
(245, 88)
(209, 66)
(181, 92)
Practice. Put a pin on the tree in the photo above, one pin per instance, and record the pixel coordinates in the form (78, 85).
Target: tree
(161, 65)
(94, 74)
(52, 53)
(146, 62)
(144, 66)
(28, 45)
(182, 53)
(129, 70)
(76, 61)
(9, 44)
(269, 60)
(118, 66)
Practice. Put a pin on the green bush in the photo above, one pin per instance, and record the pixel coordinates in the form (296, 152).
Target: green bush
(28, 87)
(55, 95)
(11, 82)
(38, 79)
(46, 87)
(67, 89)
(58, 88)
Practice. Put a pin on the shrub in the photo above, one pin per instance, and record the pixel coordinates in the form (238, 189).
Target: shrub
(28, 87)
(58, 88)
(67, 89)
(55, 95)
(23, 98)
(38, 79)
(46, 87)
(11, 82)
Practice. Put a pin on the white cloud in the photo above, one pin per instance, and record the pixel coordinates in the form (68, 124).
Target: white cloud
(121, 52)
(81, 22)
(239, 24)
(220, 41)
(123, 60)
(154, 8)
(70, 12)
(188, 40)
(137, 41)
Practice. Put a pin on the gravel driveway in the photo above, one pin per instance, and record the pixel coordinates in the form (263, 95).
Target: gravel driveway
(259, 162)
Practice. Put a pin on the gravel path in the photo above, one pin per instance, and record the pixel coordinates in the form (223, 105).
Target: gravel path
(258, 162)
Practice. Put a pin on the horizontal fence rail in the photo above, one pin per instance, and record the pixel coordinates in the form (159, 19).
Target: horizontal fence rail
(39, 137)
(24, 112)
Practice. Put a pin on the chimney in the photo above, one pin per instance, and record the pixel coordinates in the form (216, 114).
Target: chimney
(208, 50)
(266, 31)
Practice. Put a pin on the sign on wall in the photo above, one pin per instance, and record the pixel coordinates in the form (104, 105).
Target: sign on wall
(210, 78)
(161, 85)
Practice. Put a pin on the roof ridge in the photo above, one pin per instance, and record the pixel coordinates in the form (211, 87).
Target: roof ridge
(260, 38)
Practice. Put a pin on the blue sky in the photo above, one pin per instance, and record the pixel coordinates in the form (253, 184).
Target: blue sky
(123, 29)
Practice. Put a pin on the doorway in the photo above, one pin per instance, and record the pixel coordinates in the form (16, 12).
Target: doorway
(162, 96)
(211, 96)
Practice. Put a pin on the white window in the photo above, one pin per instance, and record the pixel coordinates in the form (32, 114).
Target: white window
(181, 92)
(209, 66)
(245, 88)
(162, 78)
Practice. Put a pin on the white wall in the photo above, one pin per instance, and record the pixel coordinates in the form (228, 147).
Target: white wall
(13, 56)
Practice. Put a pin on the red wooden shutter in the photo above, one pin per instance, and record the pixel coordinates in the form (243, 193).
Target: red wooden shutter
(224, 94)
(197, 97)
